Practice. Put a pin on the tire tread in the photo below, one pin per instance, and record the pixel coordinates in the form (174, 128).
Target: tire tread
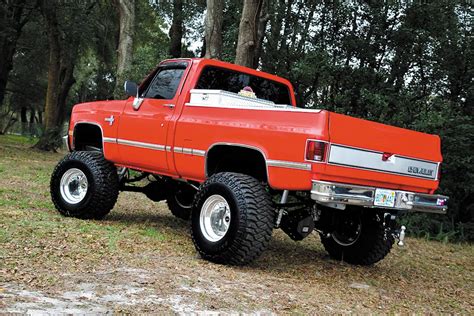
(106, 185)
(256, 218)
(373, 245)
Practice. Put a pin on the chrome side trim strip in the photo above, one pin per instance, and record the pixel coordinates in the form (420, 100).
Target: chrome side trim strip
(140, 144)
(189, 151)
(198, 152)
(289, 164)
(110, 140)
(202, 153)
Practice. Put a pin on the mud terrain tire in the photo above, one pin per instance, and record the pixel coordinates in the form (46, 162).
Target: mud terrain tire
(371, 246)
(250, 213)
(179, 199)
(102, 185)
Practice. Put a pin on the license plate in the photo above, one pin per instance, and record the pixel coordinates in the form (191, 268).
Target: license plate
(384, 198)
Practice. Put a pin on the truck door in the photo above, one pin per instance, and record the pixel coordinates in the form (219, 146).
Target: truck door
(144, 123)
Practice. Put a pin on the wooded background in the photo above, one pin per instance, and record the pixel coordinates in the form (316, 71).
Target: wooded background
(405, 63)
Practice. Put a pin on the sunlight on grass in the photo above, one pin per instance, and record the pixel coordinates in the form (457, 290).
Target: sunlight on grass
(19, 139)
(153, 233)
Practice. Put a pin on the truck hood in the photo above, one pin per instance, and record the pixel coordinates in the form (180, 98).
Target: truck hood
(113, 106)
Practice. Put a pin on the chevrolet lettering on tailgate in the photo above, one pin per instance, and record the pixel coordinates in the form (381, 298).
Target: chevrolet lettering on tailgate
(421, 171)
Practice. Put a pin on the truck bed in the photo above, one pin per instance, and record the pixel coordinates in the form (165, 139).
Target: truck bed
(358, 151)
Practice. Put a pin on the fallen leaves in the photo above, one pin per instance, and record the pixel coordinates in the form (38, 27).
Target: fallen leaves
(140, 247)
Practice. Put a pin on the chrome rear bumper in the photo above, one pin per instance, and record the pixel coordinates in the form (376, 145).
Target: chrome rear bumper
(340, 193)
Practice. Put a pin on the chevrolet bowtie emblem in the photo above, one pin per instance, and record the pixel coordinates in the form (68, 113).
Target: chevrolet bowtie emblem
(110, 120)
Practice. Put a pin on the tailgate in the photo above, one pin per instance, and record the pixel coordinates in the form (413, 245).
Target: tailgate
(394, 156)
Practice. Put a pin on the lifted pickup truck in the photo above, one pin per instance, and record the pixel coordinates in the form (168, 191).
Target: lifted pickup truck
(226, 146)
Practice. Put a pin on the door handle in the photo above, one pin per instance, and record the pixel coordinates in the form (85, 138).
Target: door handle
(169, 105)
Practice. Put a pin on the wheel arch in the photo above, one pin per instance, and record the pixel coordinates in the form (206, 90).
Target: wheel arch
(87, 134)
(224, 157)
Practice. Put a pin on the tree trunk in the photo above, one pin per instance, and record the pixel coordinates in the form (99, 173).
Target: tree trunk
(12, 12)
(31, 123)
(23, 116)
(32, 116)
(10, 123)
(277, 9)
(7, 50)
(50, 109)
(126, 10)
(248, 29)
(176, 30)
(60, 80)
(213, 29)
(261, 27)
(203, 49)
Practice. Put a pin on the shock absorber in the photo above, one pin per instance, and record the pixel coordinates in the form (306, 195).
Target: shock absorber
(284, 199)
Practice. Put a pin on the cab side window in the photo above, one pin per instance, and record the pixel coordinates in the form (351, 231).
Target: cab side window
(165, 84)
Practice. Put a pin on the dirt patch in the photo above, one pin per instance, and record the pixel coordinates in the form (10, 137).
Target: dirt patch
(118, 290)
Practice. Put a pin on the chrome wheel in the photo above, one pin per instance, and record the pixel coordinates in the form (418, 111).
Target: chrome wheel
(214, 219)
(73, 186)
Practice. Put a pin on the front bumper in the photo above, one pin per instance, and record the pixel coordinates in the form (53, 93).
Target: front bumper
(339, 193)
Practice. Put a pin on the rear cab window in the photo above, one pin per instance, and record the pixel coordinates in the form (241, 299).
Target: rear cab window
(217, 78)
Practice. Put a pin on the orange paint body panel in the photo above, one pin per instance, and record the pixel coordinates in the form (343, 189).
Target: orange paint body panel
(271, 136)
(385, 138)
(173, 137)
(359, 133)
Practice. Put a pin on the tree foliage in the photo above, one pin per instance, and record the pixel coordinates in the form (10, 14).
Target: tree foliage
(407, 64)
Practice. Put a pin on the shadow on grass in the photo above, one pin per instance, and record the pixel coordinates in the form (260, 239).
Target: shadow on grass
(156, 220)
(282, 254)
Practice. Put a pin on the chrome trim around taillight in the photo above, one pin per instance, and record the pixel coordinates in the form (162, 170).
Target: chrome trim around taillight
(341, 193)
(326, 149)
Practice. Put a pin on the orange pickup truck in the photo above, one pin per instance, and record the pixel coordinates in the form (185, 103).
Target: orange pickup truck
(227, 148)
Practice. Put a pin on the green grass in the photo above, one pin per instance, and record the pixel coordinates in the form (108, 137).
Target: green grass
(153, 233)
(18, 139)
(28, 212)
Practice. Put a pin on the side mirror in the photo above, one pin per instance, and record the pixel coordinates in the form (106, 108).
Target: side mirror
(131, 88)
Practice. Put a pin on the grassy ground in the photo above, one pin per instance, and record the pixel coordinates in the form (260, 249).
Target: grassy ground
(141, 259)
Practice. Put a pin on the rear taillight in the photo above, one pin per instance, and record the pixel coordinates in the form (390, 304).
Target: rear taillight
(315, 150)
